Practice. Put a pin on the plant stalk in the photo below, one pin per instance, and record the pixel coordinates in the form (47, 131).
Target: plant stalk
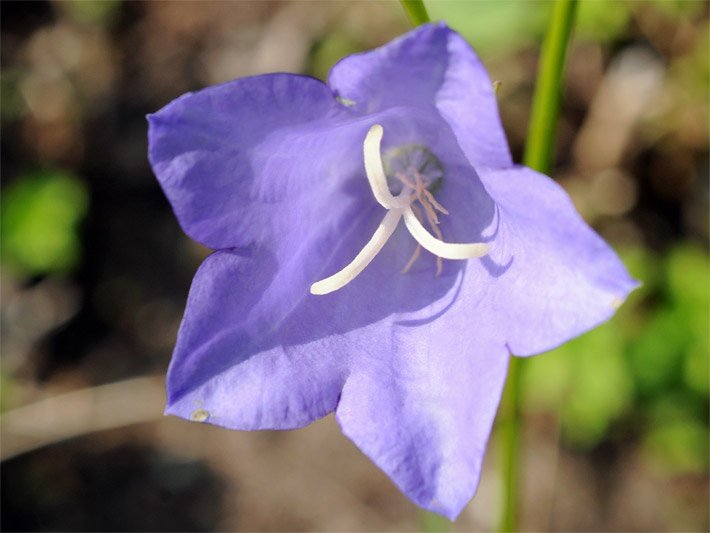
(416, 11)
(538, 155)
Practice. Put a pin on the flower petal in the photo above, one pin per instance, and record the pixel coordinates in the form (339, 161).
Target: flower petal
(256, 351)
(427, 395)
(431, 67)
(423, 413)
(237, 160)
(264, 308)
(234, 368)
(271, 170)
(549, 276)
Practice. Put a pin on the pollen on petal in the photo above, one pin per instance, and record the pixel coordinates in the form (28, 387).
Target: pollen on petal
(199, 415)
(617, 302)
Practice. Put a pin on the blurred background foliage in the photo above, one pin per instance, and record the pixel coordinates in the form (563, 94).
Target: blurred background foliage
(95, 271)
(40, 217)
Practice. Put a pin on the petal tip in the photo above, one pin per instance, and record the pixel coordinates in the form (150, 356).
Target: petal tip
(450, 510)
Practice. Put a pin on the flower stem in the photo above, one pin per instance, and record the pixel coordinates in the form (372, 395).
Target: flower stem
(509, 431)
(538, 155)
(548, 88)
(416, 11)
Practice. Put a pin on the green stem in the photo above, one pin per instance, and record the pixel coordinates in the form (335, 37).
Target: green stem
(416, 11)
(538, 155)
(509, 433)
(548, 89)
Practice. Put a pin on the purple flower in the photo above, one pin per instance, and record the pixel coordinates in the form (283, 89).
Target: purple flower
(325, 203)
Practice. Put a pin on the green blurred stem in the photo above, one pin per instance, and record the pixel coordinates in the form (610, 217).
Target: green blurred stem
(416, 11)
(538, 155)
(509, 432)
(548, 88)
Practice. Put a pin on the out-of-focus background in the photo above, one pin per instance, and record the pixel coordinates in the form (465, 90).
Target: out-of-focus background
(95, 272)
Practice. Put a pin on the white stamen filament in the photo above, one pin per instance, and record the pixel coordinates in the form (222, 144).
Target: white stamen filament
(447, 250)
(397, 207)
(367, 254)
(376, 172)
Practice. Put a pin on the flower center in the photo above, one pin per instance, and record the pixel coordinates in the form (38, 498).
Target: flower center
(405, 164)
(413, 172)
(416, 168)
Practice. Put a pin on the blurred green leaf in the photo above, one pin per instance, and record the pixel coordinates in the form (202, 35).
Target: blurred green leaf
(673, 406)
(329, 51)
(643, 266)
(688, 271)
(586, 381)
(601, 385)
(691, 71)
(602, 21)
(680, 446)
(656, 357)
(493, 28)
(13, 105)
(547, 380)
(40, 215)
(7, 391)
(95, 12)
(650, 360)
(679, 8)
(672, 349)
(696, 368)
(433, 523)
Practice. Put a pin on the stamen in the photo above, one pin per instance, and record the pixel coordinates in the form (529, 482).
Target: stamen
(439, 260)
(376, 172)
(437, 247)
(397, 207)
(431, 215)
(422, 189)
(418, 249)
(440, 208)
(417, 212)
(366, 255)
(413, 259)
(403, 178)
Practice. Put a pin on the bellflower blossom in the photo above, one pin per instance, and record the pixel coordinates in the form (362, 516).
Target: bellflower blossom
(378, 256)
